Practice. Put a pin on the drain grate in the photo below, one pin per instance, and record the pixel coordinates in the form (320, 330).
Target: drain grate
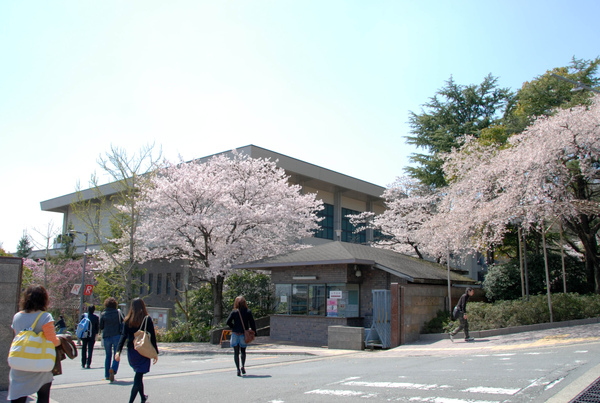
(590, 395)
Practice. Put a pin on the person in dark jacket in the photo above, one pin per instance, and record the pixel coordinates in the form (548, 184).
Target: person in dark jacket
(111, 327)
(87, 343)
(139, 363)
(61, 325)
(462, 315)
(239, 319)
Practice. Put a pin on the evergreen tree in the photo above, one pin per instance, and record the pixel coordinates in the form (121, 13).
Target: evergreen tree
(24, 247)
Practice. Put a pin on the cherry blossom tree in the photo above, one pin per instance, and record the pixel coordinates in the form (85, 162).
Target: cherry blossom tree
(228, 210)
(548, 173)
(410, 205)
(60, 276)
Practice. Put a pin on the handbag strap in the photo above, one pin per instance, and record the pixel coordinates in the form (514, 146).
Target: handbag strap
(242, 319)
(36, 320)
(145, 323)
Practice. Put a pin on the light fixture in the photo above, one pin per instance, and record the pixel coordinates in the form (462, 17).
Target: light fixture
(357, 271)
(304, 277)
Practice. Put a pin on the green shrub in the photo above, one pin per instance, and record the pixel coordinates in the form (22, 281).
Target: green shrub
(502, 314)
(183, 332)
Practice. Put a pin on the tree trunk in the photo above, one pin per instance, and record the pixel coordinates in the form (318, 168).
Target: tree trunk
(216, 285)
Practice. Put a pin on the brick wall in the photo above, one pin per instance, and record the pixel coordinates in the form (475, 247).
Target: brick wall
(307, 329)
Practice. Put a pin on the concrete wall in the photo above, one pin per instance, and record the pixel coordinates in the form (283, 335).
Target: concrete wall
(421, 303)
(346, 338)
(10, 290)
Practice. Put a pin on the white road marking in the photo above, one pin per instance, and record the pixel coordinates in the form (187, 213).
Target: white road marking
(492, 391)
(400, 385)
(447, 400)
(334, 392)
(581, 352)
(552, 384)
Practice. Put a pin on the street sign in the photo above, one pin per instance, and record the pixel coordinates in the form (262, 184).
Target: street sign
(75, 289)
(88, 289)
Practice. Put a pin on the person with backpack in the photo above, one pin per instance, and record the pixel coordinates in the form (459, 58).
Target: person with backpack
(461, 314)
(111, 325)
(88, 336)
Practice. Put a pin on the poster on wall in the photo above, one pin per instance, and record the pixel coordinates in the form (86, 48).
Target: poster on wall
(332, 307)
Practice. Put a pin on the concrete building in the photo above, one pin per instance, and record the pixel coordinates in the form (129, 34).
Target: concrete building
(341, 195)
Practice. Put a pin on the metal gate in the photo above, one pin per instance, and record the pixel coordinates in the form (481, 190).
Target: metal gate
(380, 333)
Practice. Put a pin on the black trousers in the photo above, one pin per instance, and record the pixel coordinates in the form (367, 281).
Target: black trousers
(87, 349)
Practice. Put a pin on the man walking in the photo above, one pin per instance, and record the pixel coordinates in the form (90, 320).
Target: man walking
(461, 314)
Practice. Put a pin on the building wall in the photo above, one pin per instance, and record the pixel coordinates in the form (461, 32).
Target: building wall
(421, 303)
(10, 292)
(307, 329)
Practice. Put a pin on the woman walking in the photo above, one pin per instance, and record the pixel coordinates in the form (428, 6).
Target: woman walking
(110, 325)
(239, 320)
(23, 383)
(139, 363)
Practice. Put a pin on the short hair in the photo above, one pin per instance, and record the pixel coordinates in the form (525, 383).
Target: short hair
(91, 309)
(110, 302)
(469, 289)
(35, 298)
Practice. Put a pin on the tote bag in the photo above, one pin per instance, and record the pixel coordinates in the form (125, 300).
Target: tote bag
(32, 352)
(142, 342)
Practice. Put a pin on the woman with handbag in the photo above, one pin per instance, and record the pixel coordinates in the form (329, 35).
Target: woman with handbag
(240, 321)
(137, 319)
(32, 315)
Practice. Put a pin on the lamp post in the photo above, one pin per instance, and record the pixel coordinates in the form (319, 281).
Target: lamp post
(579, 85)
(82, 271)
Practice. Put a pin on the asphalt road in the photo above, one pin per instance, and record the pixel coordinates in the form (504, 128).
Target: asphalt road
(552, 365)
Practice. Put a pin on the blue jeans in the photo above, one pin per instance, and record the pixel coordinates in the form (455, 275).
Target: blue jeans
(110, 348)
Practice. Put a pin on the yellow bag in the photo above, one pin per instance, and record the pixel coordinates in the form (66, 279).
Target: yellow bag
(32, 352)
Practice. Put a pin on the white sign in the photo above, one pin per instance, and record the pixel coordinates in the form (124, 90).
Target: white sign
(335, 294)
(75, 289)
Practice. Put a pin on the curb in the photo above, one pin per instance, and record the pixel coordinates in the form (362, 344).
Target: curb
(514, 329)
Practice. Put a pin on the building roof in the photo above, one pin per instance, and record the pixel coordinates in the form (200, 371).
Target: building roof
(412, 269)
(301, 172)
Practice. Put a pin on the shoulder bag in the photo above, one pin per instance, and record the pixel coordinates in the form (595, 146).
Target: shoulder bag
(142, 342)
(32, 352)
(249, 334)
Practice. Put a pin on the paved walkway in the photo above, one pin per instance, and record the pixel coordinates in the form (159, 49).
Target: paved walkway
(521, 338)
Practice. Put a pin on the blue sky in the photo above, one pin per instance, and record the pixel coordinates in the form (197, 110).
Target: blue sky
(327, 82)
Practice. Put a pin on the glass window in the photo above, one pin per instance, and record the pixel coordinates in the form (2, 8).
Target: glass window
(299, 299)
(318, 299)
(316, 296)
(158, 283)
(325, 230)
(142, 285)
(177, 283)
(150, 282)
(283, 294)
(348, 234)
(168, 285)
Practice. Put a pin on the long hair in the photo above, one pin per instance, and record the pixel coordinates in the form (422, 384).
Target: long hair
(240, 303)
(137, 313)
(35, 298)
